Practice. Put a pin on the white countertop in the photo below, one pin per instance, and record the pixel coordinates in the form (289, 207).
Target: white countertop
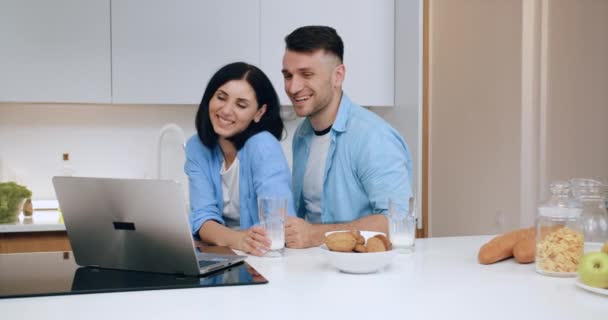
(441, 280)
(40, 221)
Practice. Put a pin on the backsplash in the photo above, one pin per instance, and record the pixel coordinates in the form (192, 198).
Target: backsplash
(102, 140)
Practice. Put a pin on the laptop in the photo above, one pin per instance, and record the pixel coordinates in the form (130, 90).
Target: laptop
(131, 224)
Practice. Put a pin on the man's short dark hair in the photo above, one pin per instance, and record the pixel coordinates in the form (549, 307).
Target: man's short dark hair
(264, 93)
(312, 38)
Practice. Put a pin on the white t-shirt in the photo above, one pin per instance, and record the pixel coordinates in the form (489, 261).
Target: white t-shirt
(313, 177)
(230, 193)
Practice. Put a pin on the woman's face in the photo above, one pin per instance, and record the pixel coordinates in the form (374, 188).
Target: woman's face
(233, 107)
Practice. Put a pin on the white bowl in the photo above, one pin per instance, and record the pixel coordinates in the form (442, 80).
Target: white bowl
(354, 262)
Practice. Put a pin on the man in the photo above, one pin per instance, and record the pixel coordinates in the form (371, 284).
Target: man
(347, 161)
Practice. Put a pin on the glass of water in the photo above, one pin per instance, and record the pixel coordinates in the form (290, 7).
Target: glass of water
(272, 212)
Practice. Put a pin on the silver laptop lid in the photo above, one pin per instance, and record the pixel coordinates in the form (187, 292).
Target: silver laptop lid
(129, 224)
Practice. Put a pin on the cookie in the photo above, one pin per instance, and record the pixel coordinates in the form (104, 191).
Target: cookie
(360, 248)
(341, 241)
(375, 245)
(360, 239)
(387, 243)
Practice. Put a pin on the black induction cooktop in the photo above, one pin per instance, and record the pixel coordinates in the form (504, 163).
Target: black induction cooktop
(56, 273)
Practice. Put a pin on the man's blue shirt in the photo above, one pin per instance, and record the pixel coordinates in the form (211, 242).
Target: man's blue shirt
(368, 162)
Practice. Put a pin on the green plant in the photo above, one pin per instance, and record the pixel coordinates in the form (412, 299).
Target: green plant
(12, 196)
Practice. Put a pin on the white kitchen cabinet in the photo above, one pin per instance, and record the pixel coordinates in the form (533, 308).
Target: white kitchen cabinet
(165, 51)
(367, 28)
(55, 51)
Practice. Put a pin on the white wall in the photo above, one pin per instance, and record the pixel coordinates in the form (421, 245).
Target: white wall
(103, 140)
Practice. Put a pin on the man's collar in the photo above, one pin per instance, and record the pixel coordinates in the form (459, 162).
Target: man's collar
(340, 122)
(342, 116)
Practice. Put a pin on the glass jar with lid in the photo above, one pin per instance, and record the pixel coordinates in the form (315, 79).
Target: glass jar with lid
(591, 195)
(559, 233)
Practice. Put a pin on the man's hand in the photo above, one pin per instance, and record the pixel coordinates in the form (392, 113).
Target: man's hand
(254, 241)
(300, 234)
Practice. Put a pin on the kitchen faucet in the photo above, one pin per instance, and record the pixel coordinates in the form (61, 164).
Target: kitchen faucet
(170, 127)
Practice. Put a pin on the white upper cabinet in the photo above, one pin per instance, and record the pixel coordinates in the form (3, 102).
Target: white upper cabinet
(165, 51)
(55, 51)
(367, 28)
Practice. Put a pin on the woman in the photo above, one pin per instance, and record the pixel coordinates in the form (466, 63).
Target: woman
(235, 157)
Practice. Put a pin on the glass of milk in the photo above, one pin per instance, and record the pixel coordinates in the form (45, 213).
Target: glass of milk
(272, 212)
(402, 224)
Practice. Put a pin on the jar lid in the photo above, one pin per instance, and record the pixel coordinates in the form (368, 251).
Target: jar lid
(587, 188)
(559, 212)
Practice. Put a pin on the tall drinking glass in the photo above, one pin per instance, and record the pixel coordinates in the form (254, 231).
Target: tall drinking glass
(272, 212)
(402, 224)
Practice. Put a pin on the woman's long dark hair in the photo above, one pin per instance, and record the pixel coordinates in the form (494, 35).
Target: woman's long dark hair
(265, 95)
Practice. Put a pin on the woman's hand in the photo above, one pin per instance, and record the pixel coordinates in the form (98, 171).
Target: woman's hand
(254, 241)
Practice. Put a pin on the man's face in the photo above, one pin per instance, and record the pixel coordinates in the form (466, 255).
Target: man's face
(312, 81)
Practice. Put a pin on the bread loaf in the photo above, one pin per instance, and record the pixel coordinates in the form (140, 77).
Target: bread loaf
(501, 247)
(525, 250)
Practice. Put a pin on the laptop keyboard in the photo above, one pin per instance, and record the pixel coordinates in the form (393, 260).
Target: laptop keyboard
(205, 263)
(209, 261)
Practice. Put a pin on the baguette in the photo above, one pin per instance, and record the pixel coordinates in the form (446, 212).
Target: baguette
(501, 247)
(525, 250)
